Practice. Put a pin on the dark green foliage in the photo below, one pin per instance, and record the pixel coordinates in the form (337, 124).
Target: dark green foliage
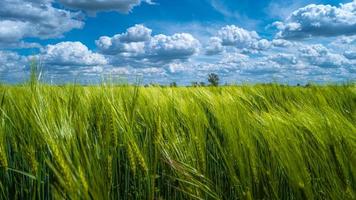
(173, 84)
(213, 79)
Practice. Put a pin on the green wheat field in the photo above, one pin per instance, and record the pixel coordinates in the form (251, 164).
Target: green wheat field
(132, 142)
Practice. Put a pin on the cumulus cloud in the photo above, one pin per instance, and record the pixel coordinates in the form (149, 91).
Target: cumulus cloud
(137, 33)
(12, 66)
(236, 38)
(11, 61)
(232, 52)
(214, 46)
(284, 59)
(281, 43)
(138, 43)
(344, 42)
(232, 35)
(93, 6)
(130, 43)
(350, 54)
(237, 64)
(25, 18)
(177, 67)
(319, 20)
(71, 54)
(319, 55)
(234, 58)
(177, 46)
(5, 45)
(261, 44)
(12, 31)
(70, 61)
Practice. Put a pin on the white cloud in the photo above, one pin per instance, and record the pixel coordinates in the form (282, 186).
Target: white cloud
(233, 38)
(232, 35)
(232, 52)
(177, 46)
(71, 61)
(129, 43)
(151, 71)
(11, 61)
(214, 46)
(19, 45)
(137, 43)
(319, 55)
(177, 67)
(319, 20)
(93, 6)
(114, 46)
(119, 70)
(104, 43)
(137, 33)
(229, 58)
(24, 18)
(281, 43)
(261, 45)
(12, 31)
(284, 59)
(12, 66)
(350, 54)
(71, 54)
(345, 41)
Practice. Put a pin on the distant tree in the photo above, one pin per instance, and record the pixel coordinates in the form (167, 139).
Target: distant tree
(308, 85)
(173, 84)
(213, 79)
(202, 84)
(195, 84)
(153, 84)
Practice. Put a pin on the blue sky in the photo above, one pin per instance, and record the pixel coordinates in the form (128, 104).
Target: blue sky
(162, 41)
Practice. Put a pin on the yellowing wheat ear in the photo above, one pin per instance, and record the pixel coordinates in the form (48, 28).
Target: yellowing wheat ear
(113, 130)
(3, 158)
(109, 168)
(31, 157)
(200, 154)
(63, 169)
(131, 158)
(83, 180)
(140, 159)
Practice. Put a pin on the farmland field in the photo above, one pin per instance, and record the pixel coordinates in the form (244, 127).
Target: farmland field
(126, 142)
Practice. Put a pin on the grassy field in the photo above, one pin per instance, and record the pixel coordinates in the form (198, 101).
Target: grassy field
(125, 142)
